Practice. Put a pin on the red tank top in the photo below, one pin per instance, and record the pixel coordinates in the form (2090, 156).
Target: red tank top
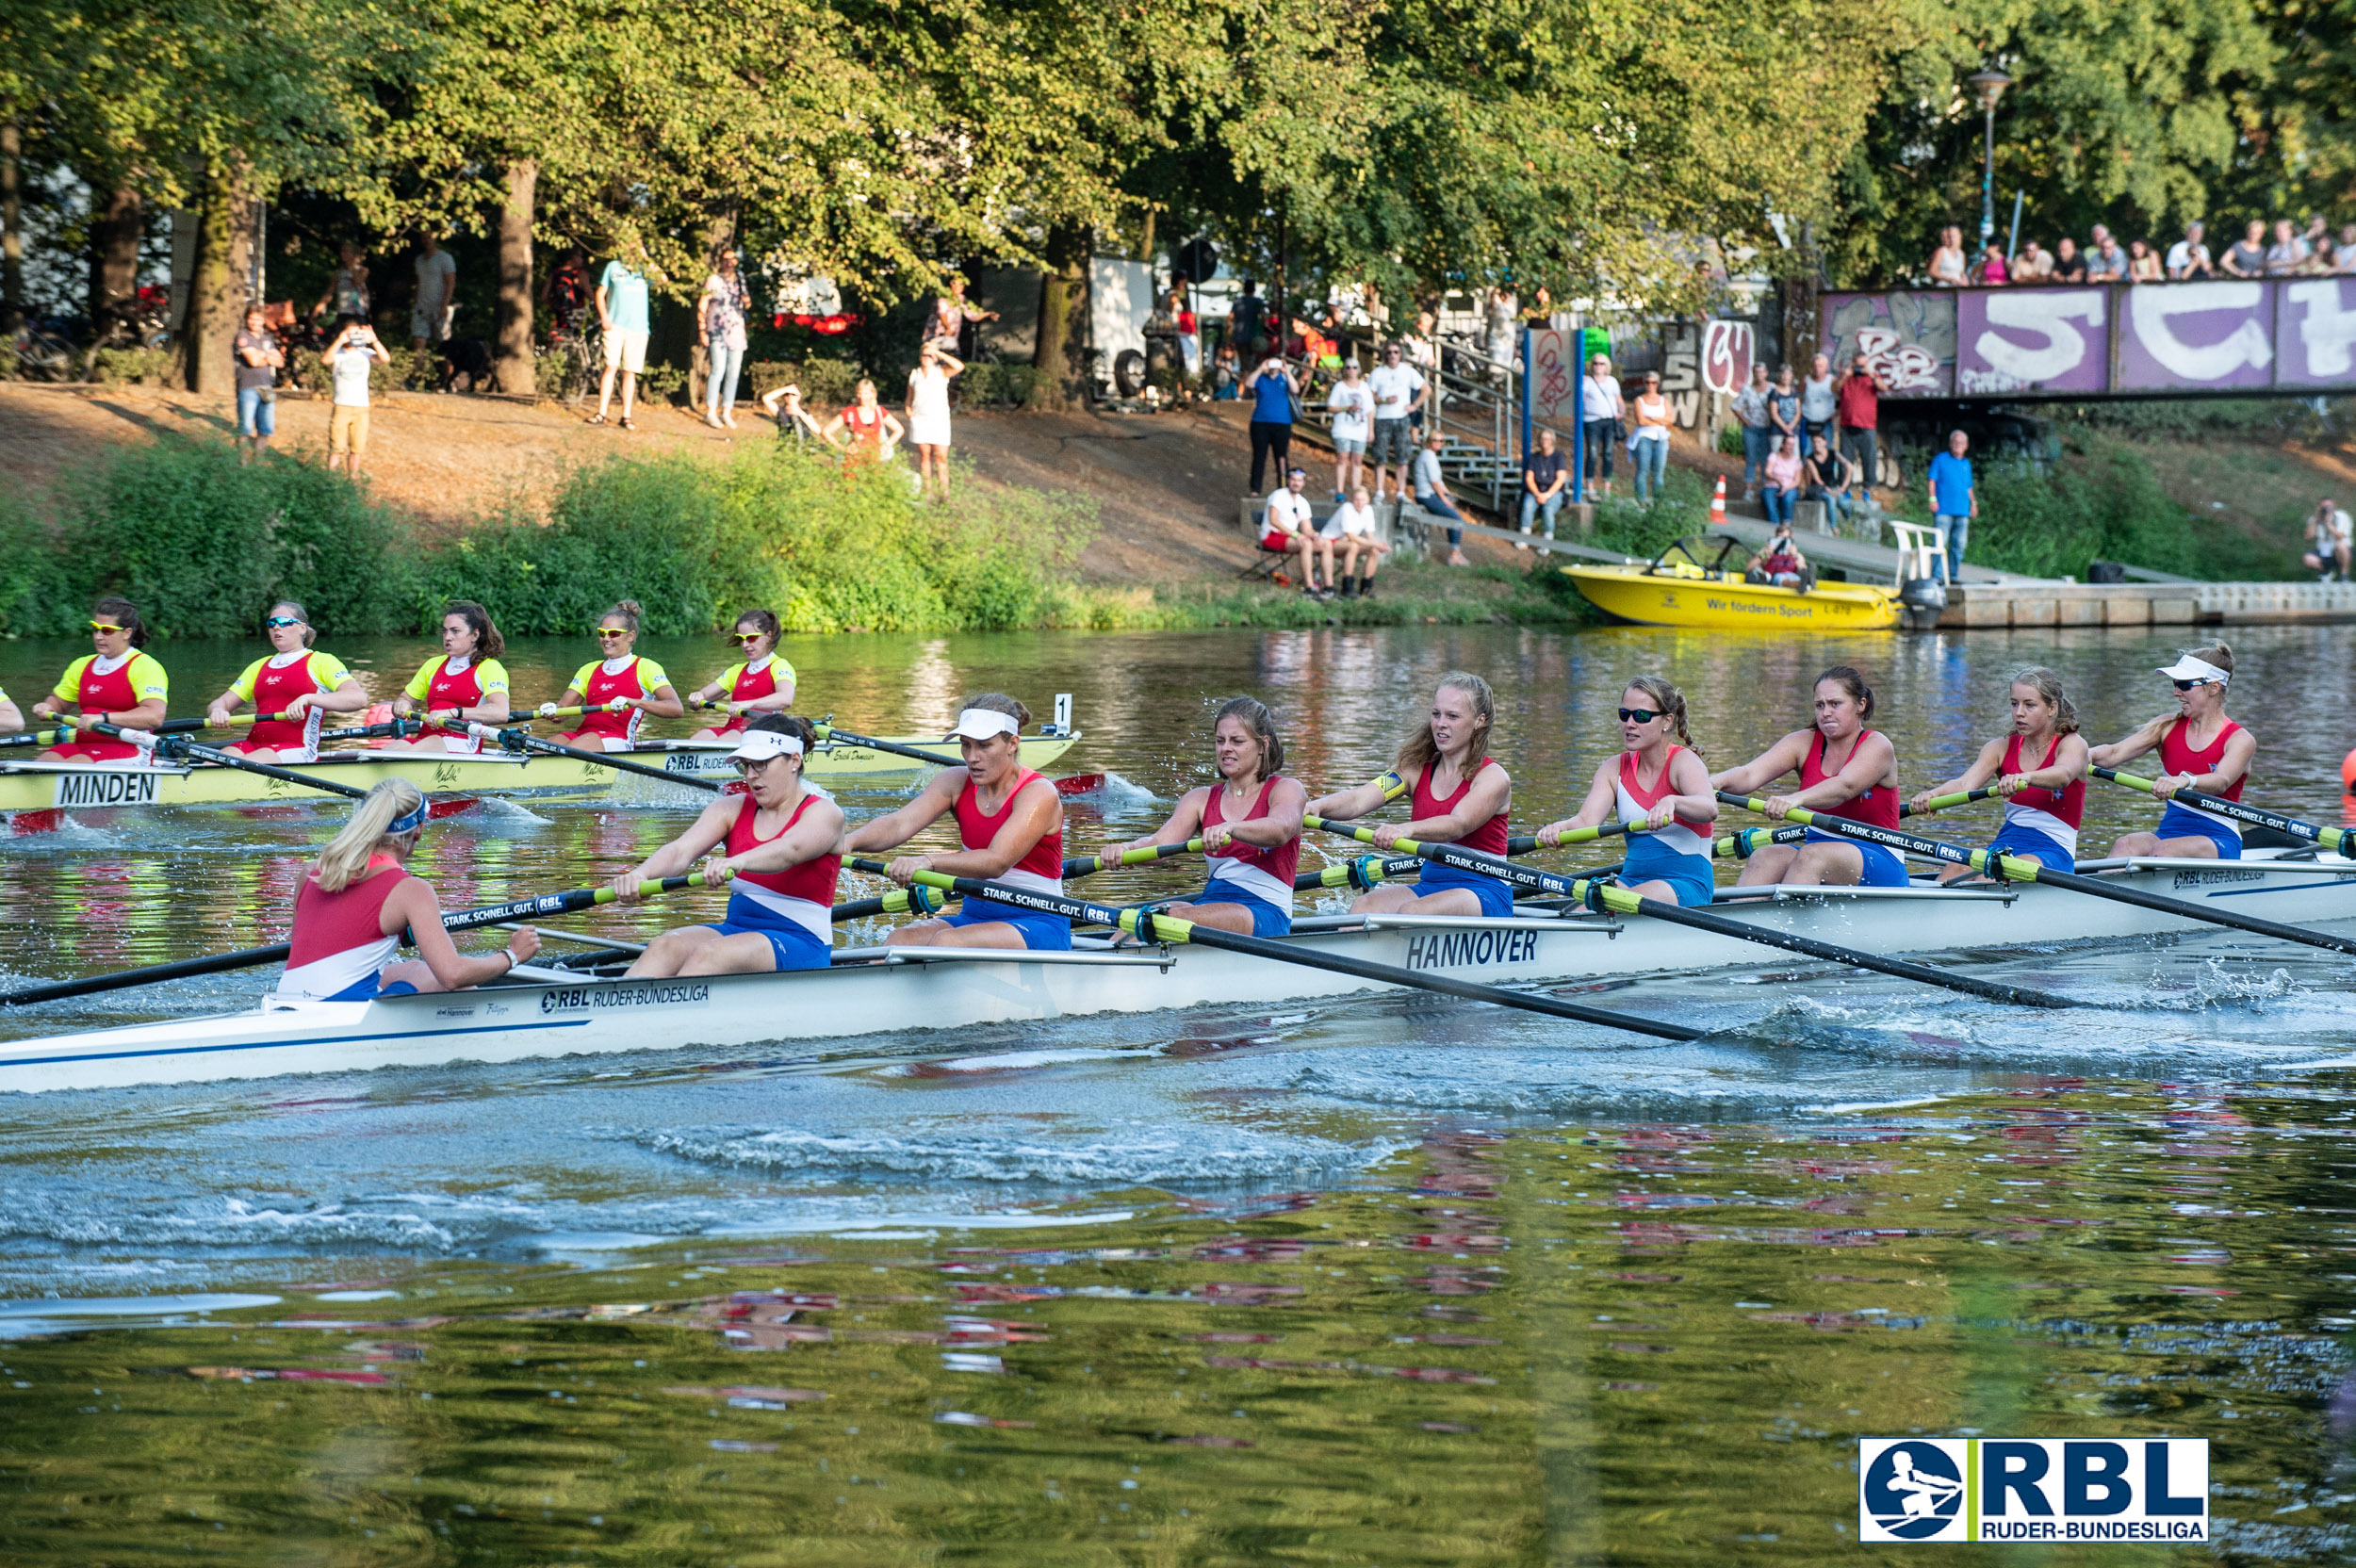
(445, 691)
(274, 688)
(2176, 757)
(1044, 861)
(110, 693)
(749, 683)
(604, 688)
(866, 431)
(1489, 838)
(337, 938)
(2069, 805)
(1877, 806)
(813, 880)
(1277, 861)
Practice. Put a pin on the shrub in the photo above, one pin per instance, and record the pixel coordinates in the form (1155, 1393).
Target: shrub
(826, 384)
(145, 367)
(2106, 504)
(996, 385)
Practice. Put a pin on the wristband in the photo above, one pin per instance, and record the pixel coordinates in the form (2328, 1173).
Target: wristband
(512, 960)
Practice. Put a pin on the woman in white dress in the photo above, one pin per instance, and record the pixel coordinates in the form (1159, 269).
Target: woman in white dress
(928, 416)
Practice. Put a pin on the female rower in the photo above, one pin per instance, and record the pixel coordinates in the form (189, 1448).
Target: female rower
(466, 684)
(296, 680)
(2199, 749)
(1009, 829)
(778, 837)
(357, 899)
(1845, 770)
(1249, 824)
(2039, 772)
(762, 683)
(1462, 795)
(1669, 859)
(618, 691)
(117, 684)
(9, 717)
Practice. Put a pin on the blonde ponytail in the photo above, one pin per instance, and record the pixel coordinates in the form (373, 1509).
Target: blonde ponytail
(346, 856)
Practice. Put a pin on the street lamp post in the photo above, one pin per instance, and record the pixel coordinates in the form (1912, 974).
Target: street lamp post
(1989, 83)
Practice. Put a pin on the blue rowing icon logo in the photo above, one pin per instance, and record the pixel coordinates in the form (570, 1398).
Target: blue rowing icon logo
(1913, 1491)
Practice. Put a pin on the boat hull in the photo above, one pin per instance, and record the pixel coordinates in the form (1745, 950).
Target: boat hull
(1632, 594)
(880, 991)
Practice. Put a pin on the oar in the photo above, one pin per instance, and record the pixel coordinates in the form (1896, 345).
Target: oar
(1942, 803)
(1149, 928)
(57, 735)
(2340, 840)
(455, 920)
(179, 745)
(1087, 865)
(1600, 895)
(2013, 868)
(844, 738)
(899, 901)
(515, 739)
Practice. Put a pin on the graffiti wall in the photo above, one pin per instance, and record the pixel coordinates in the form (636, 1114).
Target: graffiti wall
(2288, 334)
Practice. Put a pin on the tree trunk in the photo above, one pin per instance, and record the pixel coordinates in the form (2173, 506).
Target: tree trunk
(1063, 324)
(510, 367)
(114, 267)
(11, 228)
(216, 285)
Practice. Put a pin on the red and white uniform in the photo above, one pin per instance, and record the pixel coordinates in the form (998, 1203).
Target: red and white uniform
(104, 686)
(1042, 870)
(804, 893)
(1636, 802)
(269, 685)
(1876, 806)
(337, 943)
(627, 677)
(2055, 814)
(1489, 838)
(2178, 758)
(447, 682)
(747, 683)
(1264, 872)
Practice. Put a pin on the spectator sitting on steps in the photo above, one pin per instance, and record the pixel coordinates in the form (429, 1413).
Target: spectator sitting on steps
(1431, 494)
(1546, 480)
(1288, 523)
(1785, 472)
(1350, 533)
(2329, 530)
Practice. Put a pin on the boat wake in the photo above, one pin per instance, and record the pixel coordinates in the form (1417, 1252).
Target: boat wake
(240, 1223)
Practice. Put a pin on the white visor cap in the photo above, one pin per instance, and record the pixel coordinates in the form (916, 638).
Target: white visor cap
(2189, 668)
(758, 746)
(980, 723)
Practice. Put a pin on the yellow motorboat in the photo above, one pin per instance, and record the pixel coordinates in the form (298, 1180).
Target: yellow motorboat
(1705, 580)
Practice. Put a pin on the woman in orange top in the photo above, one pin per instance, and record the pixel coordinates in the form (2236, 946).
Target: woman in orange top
(618, 690)
(116, 684)
(872, 431)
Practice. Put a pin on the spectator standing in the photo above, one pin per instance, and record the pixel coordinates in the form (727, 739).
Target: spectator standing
(1399, 389)
(2097, 237)
(795, 424)
(2344, 255)
(1247, 321)
(1648, 444)
(2035, 264)
(2068, 266)
(1816, 403)
(2188, 258)
(1226, 373)
(951, 314)
(1601, 411)
(259, 359)
(621, 301)
(1423, 352)
(1275, 394)
(2331, 533)
(929, 417)
(2286, 255)
(2247, 259)
(2106, 262)
(1546, 483)
(1948, 264)
(1348, 532)
(1189, 331)
(436, 302)
(1431, 494)
(1991, 274)
(871, 433)
(1504, 322)
(2143, 265)
(350, 355)
(1955, 502)
(720, 317)
(1352, 404)
(1786, 472)
(1289, 523)
(348, 290)
(1860, 401)
(1783, 411)
(2317, 238)
(1750, 412)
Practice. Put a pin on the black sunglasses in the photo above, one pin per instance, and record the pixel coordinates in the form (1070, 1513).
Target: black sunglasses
(2188, 685)
(1638, 716)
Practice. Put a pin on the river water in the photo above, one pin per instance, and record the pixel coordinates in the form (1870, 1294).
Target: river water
(1372, 1281)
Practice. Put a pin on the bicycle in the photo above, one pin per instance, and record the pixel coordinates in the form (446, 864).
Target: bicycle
(573, 361)
(42, 356)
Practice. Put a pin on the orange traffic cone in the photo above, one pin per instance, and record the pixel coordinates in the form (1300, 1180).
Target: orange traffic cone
(1718, 504)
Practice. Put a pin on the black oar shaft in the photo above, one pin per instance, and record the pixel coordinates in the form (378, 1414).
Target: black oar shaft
(844, 738)
(243, 765)
(2340, 839)
(518, 740)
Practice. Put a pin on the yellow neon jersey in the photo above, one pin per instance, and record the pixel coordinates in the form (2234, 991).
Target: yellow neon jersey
(327, 673)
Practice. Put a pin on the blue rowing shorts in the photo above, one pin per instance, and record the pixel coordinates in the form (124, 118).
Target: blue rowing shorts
(2182, 821)
(1497, 898)
(2026, 843)
(792, 944)
(1883, 869)
(1267, 919)
(1040, 933)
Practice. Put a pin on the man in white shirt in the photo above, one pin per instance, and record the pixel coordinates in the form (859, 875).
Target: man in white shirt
(1352, 404)
(2331, 532)
(1289, 524)
(438, 293)
(1350, 533)
(354, 350)
(2188, 258)
(1399, 391)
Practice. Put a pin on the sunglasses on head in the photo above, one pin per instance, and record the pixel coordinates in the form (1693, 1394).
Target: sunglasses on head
(108, 627)
(277, 621)
(1638, 716)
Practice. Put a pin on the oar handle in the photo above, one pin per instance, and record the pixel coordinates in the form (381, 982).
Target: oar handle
(2340, 840)
(59, 735)
(1087, 865)
(844, 738)
(1942, 803)
(899, 901)
(233, 721)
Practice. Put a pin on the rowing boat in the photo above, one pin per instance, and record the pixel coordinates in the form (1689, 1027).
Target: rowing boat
(66, 786)
(542, 1012)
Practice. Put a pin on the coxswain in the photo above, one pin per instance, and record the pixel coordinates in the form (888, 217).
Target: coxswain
(296, 680)
(1461, 795)
(2199, 749)
(778, 836)
(1009, 829)
(761, 683)
(466, 684)
(618, 691)
(357, 899)
(1659, 786)
(117, 684)
(1845, 770)
(2039, 772)
(1250, 824)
